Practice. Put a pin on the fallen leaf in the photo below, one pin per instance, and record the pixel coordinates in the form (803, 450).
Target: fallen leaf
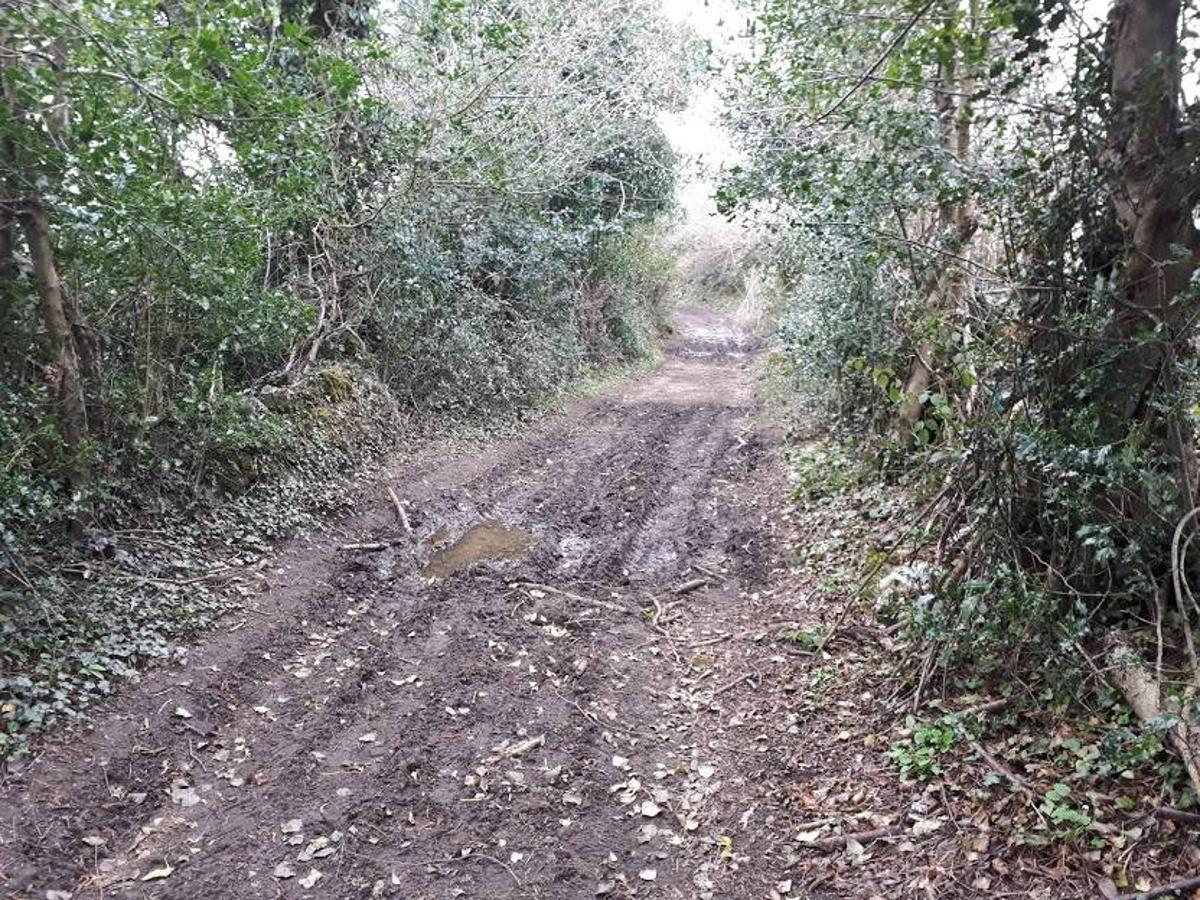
(310, 879)
(316, 849)
(158, 874)
(182, 713)
(650, 809)
(368, 738)
(648, 874)
(291, 826)
(283, 870)
(725, 843)
(922, 827)
(184, 795)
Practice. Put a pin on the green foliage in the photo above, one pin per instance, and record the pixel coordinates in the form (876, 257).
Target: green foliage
(1060, 808)
(954, 211)
(234, 199)
(820, 471)
(281, 235)
(808, 639)
(919, 756)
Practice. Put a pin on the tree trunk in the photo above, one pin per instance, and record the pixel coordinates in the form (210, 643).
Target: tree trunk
(946, 283)
(8, 271)
(64, 372)
(1152, 179)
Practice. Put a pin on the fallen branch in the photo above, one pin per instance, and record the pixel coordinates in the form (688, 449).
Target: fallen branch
(708, 642)
(371, 548)
(1166, 890)
(400, 513)
(1173, 815)
(729, 687)
(1000, 768)
(589, 601)
(505, 866)
(693, 585)
(1142, 693)
(989, 706)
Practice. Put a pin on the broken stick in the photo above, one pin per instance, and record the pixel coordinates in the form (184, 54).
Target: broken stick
(400, 513)
(1167, 890)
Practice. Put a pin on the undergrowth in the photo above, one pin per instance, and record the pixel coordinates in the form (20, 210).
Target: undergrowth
(1065, 746)
(79, 618)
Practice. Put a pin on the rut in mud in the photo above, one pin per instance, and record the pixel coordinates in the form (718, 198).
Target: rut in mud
(514, 726)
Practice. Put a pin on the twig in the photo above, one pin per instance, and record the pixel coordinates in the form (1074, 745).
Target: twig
(366, 547)
(199, 761)
(525, 746)
(1166, 890)
(1000, 768)
(688, 586)
(729, 687)
(590, 601)
(505, 866)
(659, 612)
(874, 67)
(400, 513)
(1177, 580)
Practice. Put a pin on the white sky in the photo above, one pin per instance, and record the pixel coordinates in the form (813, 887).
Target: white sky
(696, 131)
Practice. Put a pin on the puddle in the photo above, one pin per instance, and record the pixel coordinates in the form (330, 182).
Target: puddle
(483, 542)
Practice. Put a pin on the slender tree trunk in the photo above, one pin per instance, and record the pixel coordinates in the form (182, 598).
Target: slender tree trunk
(8, 222)
(64, 372)
(1153, 182)
(946, 284)
(8, 270)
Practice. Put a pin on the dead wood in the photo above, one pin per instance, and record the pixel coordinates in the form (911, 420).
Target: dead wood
(400, 513)
(1173, 815)
(579, 598)
(1166, 890)
(1142, 692)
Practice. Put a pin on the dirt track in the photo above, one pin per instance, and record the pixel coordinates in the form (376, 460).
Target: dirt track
(539, 727)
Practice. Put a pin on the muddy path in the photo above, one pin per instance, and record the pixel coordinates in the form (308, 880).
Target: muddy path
(538, 718)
